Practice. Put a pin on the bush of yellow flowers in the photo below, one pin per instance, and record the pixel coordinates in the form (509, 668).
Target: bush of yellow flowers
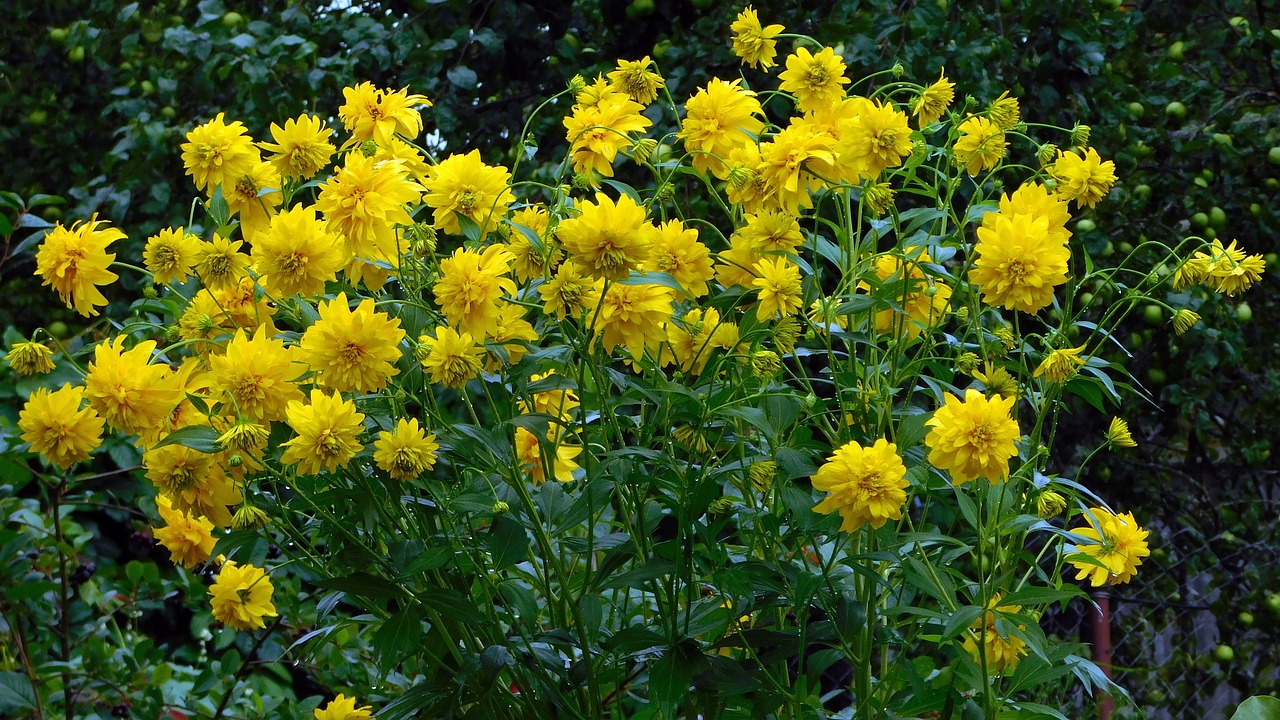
(744, 407)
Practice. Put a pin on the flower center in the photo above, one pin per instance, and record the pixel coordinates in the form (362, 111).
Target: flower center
(818, 75)
(468, 199)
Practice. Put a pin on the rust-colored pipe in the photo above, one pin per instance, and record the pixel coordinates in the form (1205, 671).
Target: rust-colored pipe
(1102, 646)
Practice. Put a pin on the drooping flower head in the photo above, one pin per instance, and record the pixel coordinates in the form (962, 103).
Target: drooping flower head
(241, 596)
(1117, 548)
(985, 640)
(973, 438)
(352, 349)
(462, 185)
(528, 447)
(783, 169)
(1118, 434)
(301, 148)
(753, 43)
(217, 153)
(634, 79)
(406, 452)
(297, 254)
(74, 261)
(718, 119)
(866, 485)
(1004, 111)
(934, 100)
(696, 336)
(1019, 263)
(815, 80)
(30, 358)
(58, 427)
(606, 239)
(1061, 364)
(328, 431)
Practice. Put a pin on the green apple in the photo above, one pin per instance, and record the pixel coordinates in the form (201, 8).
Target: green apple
(1244, 312)
(1175, 111)
(1225, 653)
(233, 19)
(1176, 51)
(1137, 110)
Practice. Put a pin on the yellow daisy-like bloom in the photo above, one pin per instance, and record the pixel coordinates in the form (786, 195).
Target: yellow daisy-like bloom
(30, 358)
(1118, 434)
(1085, 179)
(451, 358)
(529, 453)
(297, 254)
(363, 202)
(216, 153)
(256, 377)
(1117, 548)
(558, 403)
(528, 262)
(409, 157)
(188, 539)
(193, 481)
(1050, 504)
(1037, 201)
(719, 118)
(596, 133)
(771, 232)
(753, 43)
(344, 708)
(1004, 111)
(879, 197)
(815, 80)
(570, 292)
(328, 430)
(1019, 263)
(471, 287)
(924, 301)
(1229, 270)
(998, 381)
(633, 316)
(301, 148)
(248, 197)
(674, 249)
(170, 255)
(1001, 651)
(934, 100)
(607, 239)
(634, 79)
(241, 596)
(464, 185)
(1061, 364)
(514, 334)
(129, 393)
(876, 138)
(693, 339)
(735, 266)
(747, 184)
(778, 280)
(244, 436)
(981, 145)
(1184, 320)
(782, 167)
(822, 314)
(380, 115)
(219, 263)
(406, 452)
(74, 261)
(973, 438)
(58, 428)
(352, 349)
(866, 485)
(245, 306)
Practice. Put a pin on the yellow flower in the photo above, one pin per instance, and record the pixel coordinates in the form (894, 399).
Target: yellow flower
(696, 335)
(471, 287)
(1229, 270)
(254, 196)
(256, 378)
(782, 168)
(1061, 364)
(815, 80)
(343, 708)
(462, 185)
(297, 254)
(822, 315)
(1117, 548)
(973, 438)
(301, 148)
(407, 452)
(633, 316)
(170, 255)
(1084, 179)
(188, 539)
(30, 358)
(451, 358)
(753, 43)
(597, 132)
(193, 481)
(674, 249)
(879, 198)
(1001, 651)
(529, 452)
(923, 300)
(328, 430)
(1004, 111)
(771, 232)
(241, 596)
(244, 436)
(363, 202)
(778, 280)
(514, 334)
(981, 145)
(74, 263)
(1019, 263)
(216, 152)
(570, 292)
(352, 350)
(607, 239)
(129, 393)
(373, 113)
(249, 517)
(998, 381)
(58, 428)
(1184, 320)
(1035, 200)
(876, 138)
(633, 78)
(934, 100)
(529, 262)
(734, 266)
(866, 485)
(219, 263)
(1118, 434)
(559, 402)
(1050, 503)
(719, 118)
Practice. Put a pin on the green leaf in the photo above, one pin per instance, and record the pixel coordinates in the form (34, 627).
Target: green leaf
(397, 637)
(637, 577)
(1258, 707)
(364, 585)
(218, 208)
(463, 76)
(654, 278)
(508, 542)
(201, 438)
(15, 693)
